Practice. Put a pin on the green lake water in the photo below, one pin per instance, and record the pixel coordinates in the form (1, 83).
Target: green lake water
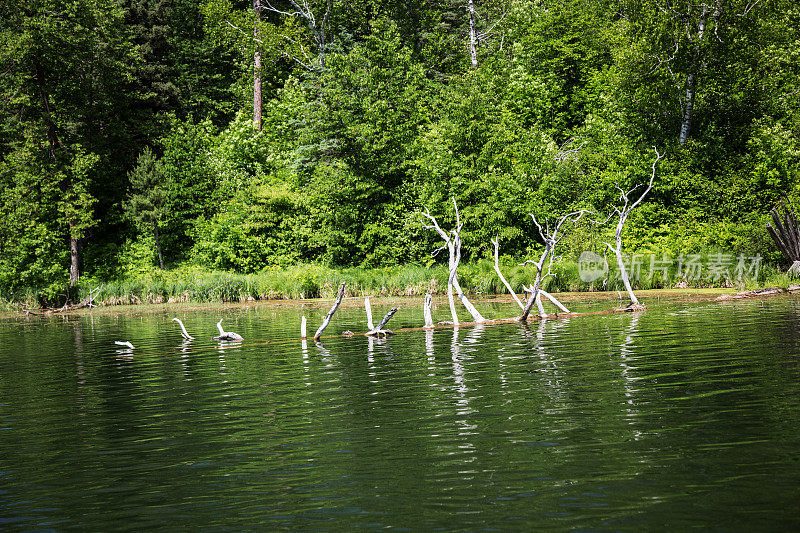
(686, 416)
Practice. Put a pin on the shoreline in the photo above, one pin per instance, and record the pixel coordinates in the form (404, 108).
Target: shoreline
(685, 294)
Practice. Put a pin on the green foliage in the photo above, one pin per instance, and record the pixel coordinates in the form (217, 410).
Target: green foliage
(127, 126)
(257, 229)
(191, 185)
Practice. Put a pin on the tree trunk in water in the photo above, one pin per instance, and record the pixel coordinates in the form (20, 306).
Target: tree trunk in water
(476, 315)
(537, 284)
(158, 247)
(74, 262)
(257, 69)
(473, 44)
(496, 243)
(625, 281)
(378, 330)
(452, 303)
(427, 311)
(368, 310)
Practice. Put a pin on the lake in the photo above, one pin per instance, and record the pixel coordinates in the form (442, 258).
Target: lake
(686, 416)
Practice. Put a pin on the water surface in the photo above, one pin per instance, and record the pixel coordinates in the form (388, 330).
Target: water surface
(684, 416)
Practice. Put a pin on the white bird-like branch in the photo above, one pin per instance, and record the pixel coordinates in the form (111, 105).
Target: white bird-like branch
(184, 333)
(226, 335)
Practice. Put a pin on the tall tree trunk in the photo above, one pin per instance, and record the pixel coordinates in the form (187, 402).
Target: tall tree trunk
(621, 264)
(74, 261)
(257, 69)
(158, 246)
(691, 80)
(688, 108)
(54, 142)
(473, 38)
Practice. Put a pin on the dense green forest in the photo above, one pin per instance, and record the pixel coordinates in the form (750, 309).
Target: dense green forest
(140, 135)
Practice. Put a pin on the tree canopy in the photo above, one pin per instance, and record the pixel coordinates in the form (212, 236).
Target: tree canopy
(130, 124)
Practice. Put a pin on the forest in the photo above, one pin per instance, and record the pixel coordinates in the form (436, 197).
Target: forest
(145, 137)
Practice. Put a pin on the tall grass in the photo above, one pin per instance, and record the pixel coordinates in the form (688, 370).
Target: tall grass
(191, 284)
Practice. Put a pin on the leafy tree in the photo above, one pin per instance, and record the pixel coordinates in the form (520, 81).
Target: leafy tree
(191, 186)
(65, 69)
(147, 197)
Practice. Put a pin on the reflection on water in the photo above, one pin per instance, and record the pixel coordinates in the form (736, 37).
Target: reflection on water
(686, 416)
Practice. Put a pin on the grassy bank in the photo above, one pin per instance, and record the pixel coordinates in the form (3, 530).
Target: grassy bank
(316, 281)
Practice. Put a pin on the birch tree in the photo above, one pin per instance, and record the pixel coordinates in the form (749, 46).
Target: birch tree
(689, 45)
(480, 29)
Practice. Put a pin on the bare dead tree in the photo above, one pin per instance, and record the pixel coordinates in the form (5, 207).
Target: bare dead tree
(318, 27)
(551, 237)
(452, 242)
(328, 317)
(368, 310)
(622, 213)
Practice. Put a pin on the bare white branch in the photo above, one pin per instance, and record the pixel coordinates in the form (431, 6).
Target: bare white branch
(328, 317)
(496, 242)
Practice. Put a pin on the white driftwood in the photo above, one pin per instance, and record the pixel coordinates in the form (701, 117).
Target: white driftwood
(328, 317)
(184, 333)
(622, 213)
(539, 306)
(226, 335)
(368, 309)
(303, 328)
(378, 330)
(496, 242)
(554, 300)
(427, 311)
(453, 244)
